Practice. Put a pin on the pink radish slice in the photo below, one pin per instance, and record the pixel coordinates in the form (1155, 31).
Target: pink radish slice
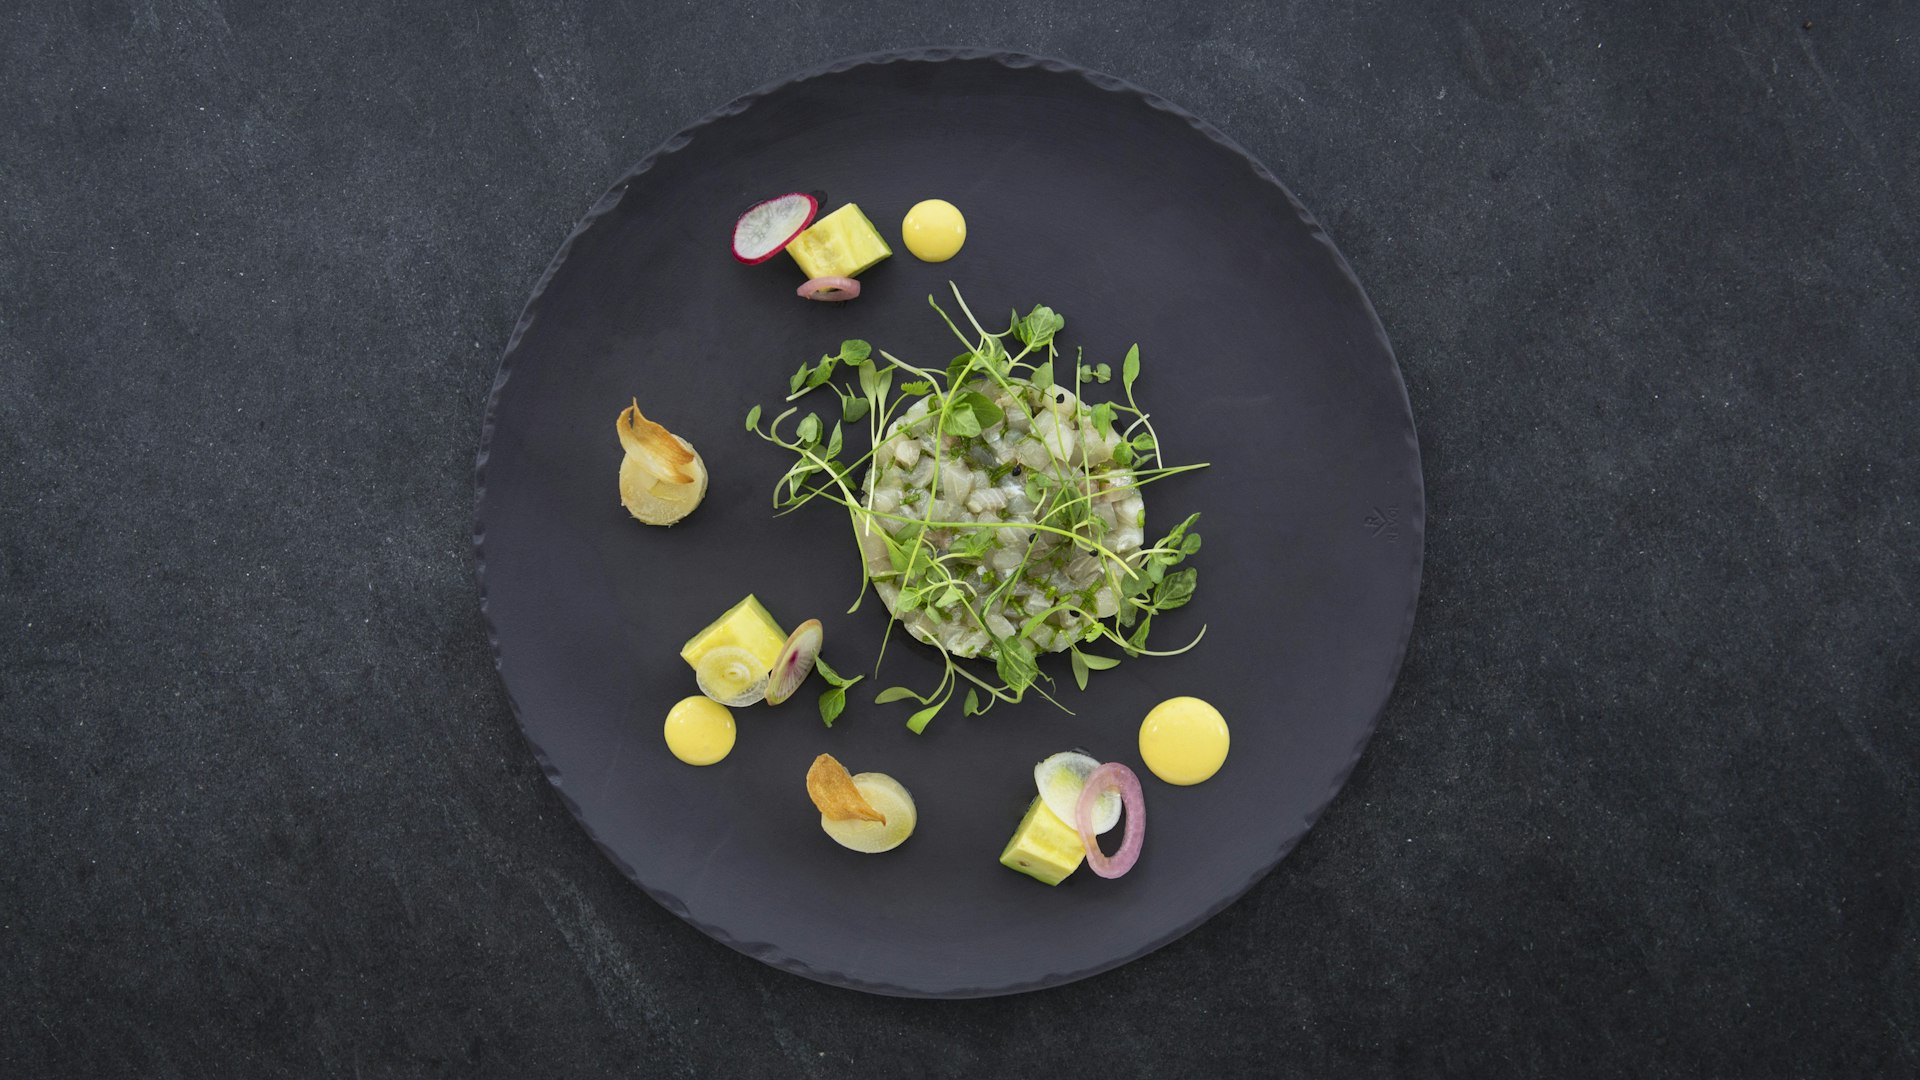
(768, 227)
(1115, 777)
(829, 288)
(795, 662)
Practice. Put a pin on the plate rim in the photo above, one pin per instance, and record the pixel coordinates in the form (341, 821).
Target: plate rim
(1414, 522)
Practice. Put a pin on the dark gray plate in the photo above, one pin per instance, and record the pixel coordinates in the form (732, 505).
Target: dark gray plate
(1141, 224)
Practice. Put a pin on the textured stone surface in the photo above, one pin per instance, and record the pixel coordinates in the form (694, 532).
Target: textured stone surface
(1647, 798)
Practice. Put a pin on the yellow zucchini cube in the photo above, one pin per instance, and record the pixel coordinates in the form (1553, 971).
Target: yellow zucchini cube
(746, 625)
(842, 244)
(1044, 848)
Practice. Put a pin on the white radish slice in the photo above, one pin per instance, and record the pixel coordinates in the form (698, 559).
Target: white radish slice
(795, 662)
(1060, 779)
(768, 227)
(829, 288)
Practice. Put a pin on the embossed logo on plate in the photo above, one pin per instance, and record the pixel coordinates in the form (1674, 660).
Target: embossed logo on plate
(1385, 524)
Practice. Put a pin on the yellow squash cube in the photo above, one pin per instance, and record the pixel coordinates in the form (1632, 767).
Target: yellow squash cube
(842, 244)
(1044, 848)
(746, 625)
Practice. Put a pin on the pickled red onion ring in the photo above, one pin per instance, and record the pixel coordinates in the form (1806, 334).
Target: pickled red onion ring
(829, 288)
(1119, 778)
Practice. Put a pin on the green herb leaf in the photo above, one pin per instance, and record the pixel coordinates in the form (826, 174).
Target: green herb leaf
(1015, 664)
(916, 388)
(799, 379)
(855, 351)
(1027, 628)
(973, 544)
(874, 381)
(984, 410)
(809, 430)
(1138, 639)
(1176, 537)
(896, 552)
(1141, 580)
(1038, 328)
(853, 409)
(1103, 419)
(892, 694)
(971, 707)
(1130, 369)
(1079, 669)
(1143, 442)
(753, 418)
(834, 441)
(961, 421)
(1175, 589)
(1043, 374)
(1099, 663)
(918, 722)
(832, 703)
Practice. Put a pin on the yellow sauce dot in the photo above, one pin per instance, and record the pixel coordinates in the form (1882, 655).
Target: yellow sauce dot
(934, 230)
(699, 730)
(1183, 740)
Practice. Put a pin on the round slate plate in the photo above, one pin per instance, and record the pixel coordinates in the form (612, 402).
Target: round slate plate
(1137, 222)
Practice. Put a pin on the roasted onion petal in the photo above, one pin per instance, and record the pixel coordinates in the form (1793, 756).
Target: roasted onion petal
(833, 791)
(663, 456)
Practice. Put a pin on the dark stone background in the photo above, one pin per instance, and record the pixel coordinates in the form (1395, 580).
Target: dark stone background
(1644, 801)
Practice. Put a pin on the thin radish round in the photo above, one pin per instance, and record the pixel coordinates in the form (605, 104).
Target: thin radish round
(829, 288)
(795, 662)
(1112, 776)
(1062, 777)
(768, 227)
